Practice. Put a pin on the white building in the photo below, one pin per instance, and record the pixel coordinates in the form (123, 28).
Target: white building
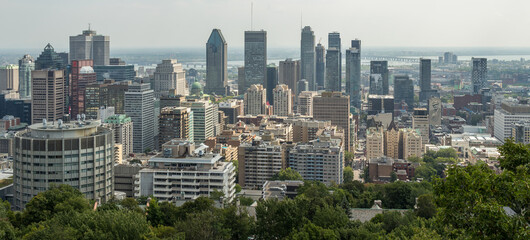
(255, 100)
(170, 75)
(305, 103)
(283, 100)
(507, 115)
(140, 106)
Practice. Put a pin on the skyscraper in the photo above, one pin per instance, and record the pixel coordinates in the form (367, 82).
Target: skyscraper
(216, 57)
(25, 66)
(169, 75)
(175, 122)
(333, 82)
(304, 105)
(283, 100)
(140, 106)
(272, 81)
(47, 96)
(353, 75)
(334, 107)
(255, 59)
(320, 75)
(49, 59)
(122, 127)
(81, 75)
(403, 90)
(379, 76)
(9, 77)
(255, 100)
(479, 74)
(335, 42)
(307, 57)
(289, 74)
(89, 45)
(425, 79)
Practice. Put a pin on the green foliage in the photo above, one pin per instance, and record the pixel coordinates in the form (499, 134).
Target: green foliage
(245, 201)
(287, 174)
(348, 158)
(348, 174)
(216, 195)
(7, 231)
(313, 232)
(425, 206)
(514, 155)
(238, 188)
(393, 176)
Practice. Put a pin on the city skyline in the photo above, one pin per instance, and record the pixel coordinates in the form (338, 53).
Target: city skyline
(486, 29)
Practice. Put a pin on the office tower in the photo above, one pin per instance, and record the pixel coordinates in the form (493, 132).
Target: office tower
(353, 74)
(392, 146)
(320, 66)
(289, 73)
(89, 45)
(435, 111)
(302, 86)
(374, 143)
(259, 161)
(335, 42)
(9, 78)
(507, 115)
(82, 74)
(189, 171)
(107, 94)
(379, 77)
(521, 132)
(380, 104)
(334, 107)
(216, 57)
(169, 75)
(307, 57)
(403, 90)
(272, 81)
(420, 122)
(25, 66)
(140, 106)
(304, 105)
(122, 127)
(479, 74)
(47, 96)
(333, 68)
(319, 160)
(425, 79)
(305, 130)
(64, 57)
(283, 101)
(20, 108)
(232, 109)
(255, 100)
(49, 59)
(450, 57)
(356, 43)
(255, 59)
(118, 73)
(241, 80)
(175, 122)
(58, 153)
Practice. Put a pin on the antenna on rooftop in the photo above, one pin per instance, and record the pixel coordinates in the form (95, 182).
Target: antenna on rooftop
(88, 26)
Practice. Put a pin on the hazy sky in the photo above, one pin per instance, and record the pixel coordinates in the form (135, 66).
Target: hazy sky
(188, 23)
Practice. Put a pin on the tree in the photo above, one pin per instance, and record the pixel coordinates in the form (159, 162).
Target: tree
(276, 220)
(398, 195)
(366, 175)
(514, 155)
(348, 158)
(203, 225)
(425, 206)
(330, 217)
(313, 232)
(348, 174)
(393, 176)
(7, 231)
(287, 174)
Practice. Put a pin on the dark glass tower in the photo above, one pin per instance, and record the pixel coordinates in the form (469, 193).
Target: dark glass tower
(216, 69)
(255, 59)
(307, 57)
(403, 90)
(49, 59)
(353, 75)
(335, 42)
(333, 82)
(320, 52)
(479, 74)
(379, 77)
(425, 79)
(272, 81)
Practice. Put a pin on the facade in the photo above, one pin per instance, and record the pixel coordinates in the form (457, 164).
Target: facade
(420, 122)
(353, 75)
(175, 123)
(412, 143)
(334, 41)
(9, 78)
(107, 94)
(317, 160)
(118, 73)
(16, 107)
(283, 101)
(140, 106)
(334, 107)
(375, 143)
(169, 75)
(379, 77)
(289, 74)
(320, 66)
(259, 162)
(425, 78)
(255, 100)
(333, 67)
(305, 130)
(122, 127)
(81, 75)
(435, 111)
(403, 90)
(521, 132)
(507, 115)
(272, 81)
(307, 57)
(183, 172)
(216, 60)
(79, 154)
(47, 97)
(49, 59)
(479, 74)
(124, 175)
(304, 105)
(89, 45)
(380, 104)
(232, 110)
(255, 59)
(25, 66)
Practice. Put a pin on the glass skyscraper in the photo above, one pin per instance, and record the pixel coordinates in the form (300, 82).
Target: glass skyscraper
(216, 58)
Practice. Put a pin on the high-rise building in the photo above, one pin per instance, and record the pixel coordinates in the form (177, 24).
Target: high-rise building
(118, 73)
(49, 59)
(9, 77)
(140, 106)
(375, 146)
(47, 96)
(304, 105)
(232, 109)
(255, 59)
(122, 127)
(241, 80)
(521, 132)
(283, 101)
(420, 122)
(307, 57)
(81, 75)
(175, 122)
(25, 66)
(425, 79)
(412, 143)
(289, 73)
(435, 111)
(479, 74)
(380, 104)
(318, 160)
(259, 162)
(507, 115)
(302, 86)
(334, 107)
(20, 108)
(333, 68)
(58, 153)
(107, 94)
(403, 90)
(255, 100)
(320, 66)
(379, 77)
(216, 60)
(272, 81)
(89, 45)
(353, 74)
(169, 75)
